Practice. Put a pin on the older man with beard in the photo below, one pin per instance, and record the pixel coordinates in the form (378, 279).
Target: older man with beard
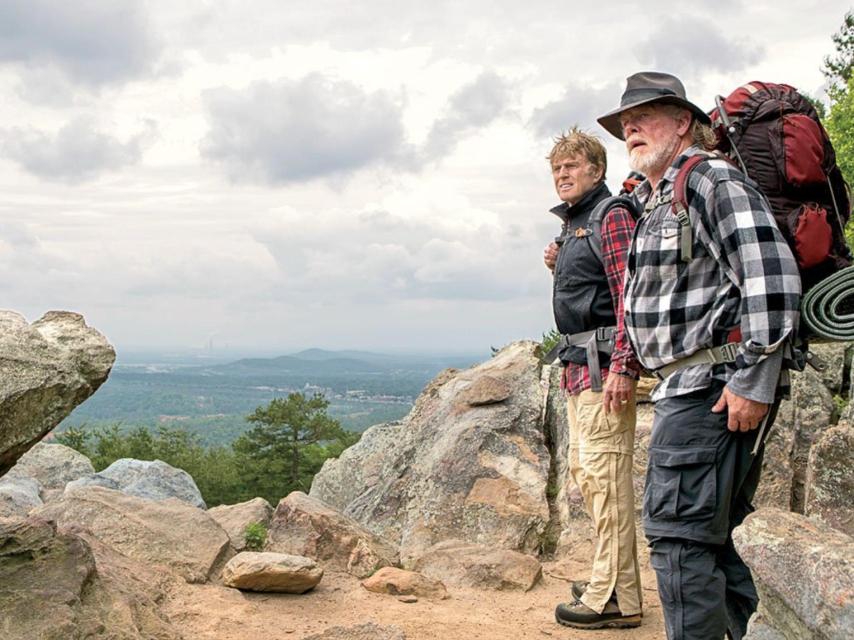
(691, 283)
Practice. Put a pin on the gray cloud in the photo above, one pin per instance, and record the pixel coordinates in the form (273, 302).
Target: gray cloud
(578, 106)
(75, 153)
(473, 106)
(292, 131)
(92, 41)
(692, 46)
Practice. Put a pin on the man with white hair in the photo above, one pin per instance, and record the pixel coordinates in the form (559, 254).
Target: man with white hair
(711, 301)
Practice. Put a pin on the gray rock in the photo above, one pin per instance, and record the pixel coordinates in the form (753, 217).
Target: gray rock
(18, 496)
(234, 518)
(368, 631)
(93, 480)
(59, 585)
(46, 369)
(830, 481)
(53, 465)
(275, 572)
(168, 533)
(759, 629)
(804, 572)
(472, 565)
(304, 526)
(149, 479)
(467, 462)
(837, 359)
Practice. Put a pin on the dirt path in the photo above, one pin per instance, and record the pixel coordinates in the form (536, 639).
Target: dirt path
(209, 612)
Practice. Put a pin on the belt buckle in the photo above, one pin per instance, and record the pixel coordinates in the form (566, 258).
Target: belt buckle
(602, 335)
(728, 352)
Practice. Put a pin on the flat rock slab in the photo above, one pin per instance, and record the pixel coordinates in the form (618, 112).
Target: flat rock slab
(234, 518)
(170, 532)
(804, 572)
(399, 582)
(47, 368)
(473, 565)
(369, 631)
(277, 572)
(304, 526)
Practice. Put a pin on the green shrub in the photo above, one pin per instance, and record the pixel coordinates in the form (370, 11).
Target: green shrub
(255, 535)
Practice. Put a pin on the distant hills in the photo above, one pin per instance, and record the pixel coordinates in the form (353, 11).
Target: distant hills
(213, 398)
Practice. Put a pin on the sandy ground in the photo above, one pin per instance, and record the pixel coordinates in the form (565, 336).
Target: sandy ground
(210, 612)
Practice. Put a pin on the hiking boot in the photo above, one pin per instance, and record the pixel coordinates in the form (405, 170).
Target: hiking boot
(579, 616)
(578, 588)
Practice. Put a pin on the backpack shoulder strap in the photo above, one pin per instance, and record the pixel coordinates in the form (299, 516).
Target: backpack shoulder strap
(679, 204)
(594, 222)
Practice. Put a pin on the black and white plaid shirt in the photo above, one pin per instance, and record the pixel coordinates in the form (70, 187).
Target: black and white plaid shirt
(742, 275)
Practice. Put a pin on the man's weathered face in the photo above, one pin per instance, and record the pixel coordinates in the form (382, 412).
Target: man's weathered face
(652, 136)
(574, 176)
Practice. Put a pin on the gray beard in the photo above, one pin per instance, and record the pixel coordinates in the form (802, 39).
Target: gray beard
(656, 159)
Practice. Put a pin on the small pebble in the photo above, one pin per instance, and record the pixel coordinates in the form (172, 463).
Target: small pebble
(408, 599)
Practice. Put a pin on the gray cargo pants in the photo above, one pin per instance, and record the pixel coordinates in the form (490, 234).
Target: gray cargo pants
(700, 482)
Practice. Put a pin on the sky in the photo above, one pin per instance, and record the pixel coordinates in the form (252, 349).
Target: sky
(273, 175)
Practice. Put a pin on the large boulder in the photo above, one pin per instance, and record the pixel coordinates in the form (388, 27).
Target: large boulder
(804, 573)
(18, 496)
(234, 518)
(304, 526)
(149, 479)
(800, 420)
(53, 465)
(276, 572)
(830, 481)
(46, 369)
(168, 533)
(59, 585)
(469, 461)
(473, 565)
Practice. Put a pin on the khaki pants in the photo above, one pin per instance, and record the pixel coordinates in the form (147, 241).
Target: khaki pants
(600, 461)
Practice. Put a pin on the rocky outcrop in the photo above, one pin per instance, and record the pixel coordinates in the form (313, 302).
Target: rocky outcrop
(59, 585)
(275, 572)
(468, 462)
(304, 526)
(46, 369)
(830, 478)
(472, 565)
(168, 533)
(18, 496)
(52, 465)
(149, 479)
(399, 582)
(234, 518)
(804, 573)
(368, 631)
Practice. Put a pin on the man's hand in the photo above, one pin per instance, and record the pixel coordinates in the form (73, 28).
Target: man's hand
(744, 414)
(617, 392)
(550, 255)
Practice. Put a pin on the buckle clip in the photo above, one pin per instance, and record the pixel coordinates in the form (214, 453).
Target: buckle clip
(602, 334)
(726, 353)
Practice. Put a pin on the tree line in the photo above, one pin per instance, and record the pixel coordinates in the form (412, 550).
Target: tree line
(285, 447)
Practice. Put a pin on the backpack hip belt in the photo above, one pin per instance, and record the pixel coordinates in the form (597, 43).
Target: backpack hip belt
(713, 355)
(593, 341)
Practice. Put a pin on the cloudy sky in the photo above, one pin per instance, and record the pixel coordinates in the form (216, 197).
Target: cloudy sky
(277, 175)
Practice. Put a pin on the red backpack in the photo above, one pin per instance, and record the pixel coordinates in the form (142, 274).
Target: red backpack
(774, 134)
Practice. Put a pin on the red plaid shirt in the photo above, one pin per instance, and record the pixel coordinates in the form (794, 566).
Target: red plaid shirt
(618, 226)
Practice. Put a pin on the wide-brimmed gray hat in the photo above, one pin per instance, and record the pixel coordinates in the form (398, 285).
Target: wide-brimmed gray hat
(646, 87)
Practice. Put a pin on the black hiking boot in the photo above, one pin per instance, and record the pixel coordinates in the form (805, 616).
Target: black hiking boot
(579, 616)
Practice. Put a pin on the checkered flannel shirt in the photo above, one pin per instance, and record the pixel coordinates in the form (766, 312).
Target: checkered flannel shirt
(742, 275)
